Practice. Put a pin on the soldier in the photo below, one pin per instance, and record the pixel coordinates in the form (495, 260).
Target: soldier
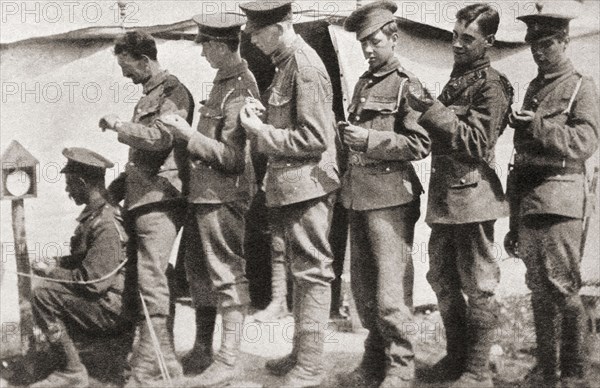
(466, 197)
(381, 190)
(152, 187)
(221, 187)
(83, 294)
(556, 131)
(298, 136)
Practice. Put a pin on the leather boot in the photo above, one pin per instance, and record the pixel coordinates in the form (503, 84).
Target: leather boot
(74, 375)
(477, 370)
(453, 311)
(201, 355)
(573, 349)
(144, 362)
(283, 365)
(315, 300)
(222, 371)
(277, 309)
(547, 325)
(371, 370)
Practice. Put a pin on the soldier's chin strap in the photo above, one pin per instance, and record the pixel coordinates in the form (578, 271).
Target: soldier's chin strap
(79, 282)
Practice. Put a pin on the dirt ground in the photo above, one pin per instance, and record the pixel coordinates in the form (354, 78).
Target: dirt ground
(261, 341)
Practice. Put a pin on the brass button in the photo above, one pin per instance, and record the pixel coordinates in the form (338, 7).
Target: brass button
(288, 164)
(357, 118)
(463, 181)
(362, 99)
(387, 169)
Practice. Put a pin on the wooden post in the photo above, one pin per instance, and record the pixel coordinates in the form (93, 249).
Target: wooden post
(21, 254)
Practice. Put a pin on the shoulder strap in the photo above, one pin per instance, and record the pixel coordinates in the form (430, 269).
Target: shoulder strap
(227, 95)
(573, 96)
(400, 90)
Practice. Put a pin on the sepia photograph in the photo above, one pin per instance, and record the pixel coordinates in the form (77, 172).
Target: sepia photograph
(335, 193)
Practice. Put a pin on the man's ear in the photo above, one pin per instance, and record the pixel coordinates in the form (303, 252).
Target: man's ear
(282, 27)
(395, 38)
(146, 60)
(222, 46)
(490, 40)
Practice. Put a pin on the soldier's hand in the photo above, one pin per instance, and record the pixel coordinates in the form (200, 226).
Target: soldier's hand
(415, 99)
(41, 268)
(250, 121)
(176, 125)
(257, 106)
(511, 243)
(519, 119)
(356, 137)
(110, 121)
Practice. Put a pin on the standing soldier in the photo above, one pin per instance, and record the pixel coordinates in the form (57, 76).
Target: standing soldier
(221, 187)
(555, 133)
(84, 292)
(382, 191)
(151, 186)
(298, 136)
(466, 197)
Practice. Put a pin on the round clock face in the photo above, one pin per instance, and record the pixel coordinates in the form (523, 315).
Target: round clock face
(18, 183)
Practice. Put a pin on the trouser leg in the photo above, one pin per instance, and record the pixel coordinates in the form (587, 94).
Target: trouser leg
(444, 278)
(551, 248)
(304, 229)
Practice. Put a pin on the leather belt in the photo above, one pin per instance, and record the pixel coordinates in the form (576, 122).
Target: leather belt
(359, 159)
(568, 165)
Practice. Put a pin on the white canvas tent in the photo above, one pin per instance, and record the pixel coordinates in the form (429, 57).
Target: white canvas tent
(56, 87)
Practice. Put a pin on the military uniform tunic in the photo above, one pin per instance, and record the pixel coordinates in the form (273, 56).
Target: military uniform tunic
(466, 197)
(548, 173)
(298, 138)
(98, 247)
(382, 190)
(548, 201)
(221, 187)
(154, 183)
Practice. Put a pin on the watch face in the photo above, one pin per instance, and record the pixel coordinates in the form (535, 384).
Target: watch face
(18, 183)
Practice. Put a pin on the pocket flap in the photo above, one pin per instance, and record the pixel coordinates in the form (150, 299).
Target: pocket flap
(147, 106)
(208, 112)
(279, 99)
(381, 104)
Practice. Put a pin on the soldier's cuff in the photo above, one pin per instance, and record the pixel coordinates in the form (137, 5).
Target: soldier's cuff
(435, 115)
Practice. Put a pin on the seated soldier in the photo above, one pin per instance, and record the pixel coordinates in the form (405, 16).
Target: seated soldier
(82, 294)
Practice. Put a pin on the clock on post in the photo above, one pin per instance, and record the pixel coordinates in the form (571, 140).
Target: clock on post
(19, 173)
